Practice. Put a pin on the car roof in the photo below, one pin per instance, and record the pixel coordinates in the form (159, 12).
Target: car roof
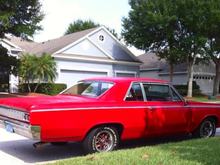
(128, 79)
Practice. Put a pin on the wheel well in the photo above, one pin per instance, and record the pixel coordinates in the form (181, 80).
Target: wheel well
(213, 118)
(118, 126)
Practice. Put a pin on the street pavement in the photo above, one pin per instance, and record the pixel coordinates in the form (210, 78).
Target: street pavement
(15, 149)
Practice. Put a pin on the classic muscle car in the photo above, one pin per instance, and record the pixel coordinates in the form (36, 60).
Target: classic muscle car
(100, 112)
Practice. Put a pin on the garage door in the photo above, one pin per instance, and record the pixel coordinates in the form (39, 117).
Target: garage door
(70, 77)
(125, 74)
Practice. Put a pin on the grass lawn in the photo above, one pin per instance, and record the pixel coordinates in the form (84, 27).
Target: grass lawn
(188, 152)
(204, 99)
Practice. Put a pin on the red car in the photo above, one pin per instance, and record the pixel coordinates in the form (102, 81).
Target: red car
(100, 112)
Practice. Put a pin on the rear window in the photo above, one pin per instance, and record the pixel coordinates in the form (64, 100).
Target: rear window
(89, 88)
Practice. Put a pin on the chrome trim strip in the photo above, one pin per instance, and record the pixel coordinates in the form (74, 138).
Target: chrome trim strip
(21, 128)
(14, 113)
(121, 107)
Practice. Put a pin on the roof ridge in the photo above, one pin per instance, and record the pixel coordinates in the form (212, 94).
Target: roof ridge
(71, 34)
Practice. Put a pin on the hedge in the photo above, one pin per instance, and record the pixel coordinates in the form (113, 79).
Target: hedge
(45, 88)
(182, 89)
(4, 87)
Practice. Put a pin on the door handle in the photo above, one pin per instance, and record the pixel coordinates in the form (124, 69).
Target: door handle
(151, 108)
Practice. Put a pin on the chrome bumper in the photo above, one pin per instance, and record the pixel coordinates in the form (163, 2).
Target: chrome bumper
(21, 128)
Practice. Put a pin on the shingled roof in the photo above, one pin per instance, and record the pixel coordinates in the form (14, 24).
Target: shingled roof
(50, 46)
(151, 61)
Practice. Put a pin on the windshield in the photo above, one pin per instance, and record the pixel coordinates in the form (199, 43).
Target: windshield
(89, 88)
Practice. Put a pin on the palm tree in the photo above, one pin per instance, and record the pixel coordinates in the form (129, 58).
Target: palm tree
(34, 69)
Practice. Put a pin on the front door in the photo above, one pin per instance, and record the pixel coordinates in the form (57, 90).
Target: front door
(166, 112)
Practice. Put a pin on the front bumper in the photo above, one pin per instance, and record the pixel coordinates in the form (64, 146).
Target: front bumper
(21, 128)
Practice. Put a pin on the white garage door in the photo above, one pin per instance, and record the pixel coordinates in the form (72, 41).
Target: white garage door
(70, 77)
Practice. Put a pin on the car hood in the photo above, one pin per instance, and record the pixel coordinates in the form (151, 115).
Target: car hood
(28, 103)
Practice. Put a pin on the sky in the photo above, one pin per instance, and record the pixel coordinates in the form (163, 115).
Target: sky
(60, 13)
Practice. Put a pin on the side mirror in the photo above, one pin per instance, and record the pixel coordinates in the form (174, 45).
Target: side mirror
(186, 102)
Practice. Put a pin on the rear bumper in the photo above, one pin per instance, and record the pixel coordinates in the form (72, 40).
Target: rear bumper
(21, 128)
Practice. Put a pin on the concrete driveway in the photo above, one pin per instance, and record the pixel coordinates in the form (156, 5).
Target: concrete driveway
(15, 149)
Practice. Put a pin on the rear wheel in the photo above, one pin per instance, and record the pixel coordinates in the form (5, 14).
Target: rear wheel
(206, 129)
(101, 139)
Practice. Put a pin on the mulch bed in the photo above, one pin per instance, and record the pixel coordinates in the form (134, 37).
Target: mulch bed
(8, 95)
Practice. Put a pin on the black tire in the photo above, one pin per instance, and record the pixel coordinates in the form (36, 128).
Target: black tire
(206, 129)
(101, 139)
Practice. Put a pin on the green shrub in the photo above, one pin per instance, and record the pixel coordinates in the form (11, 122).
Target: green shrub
(4, 87)
(182, 89)
(45, 88)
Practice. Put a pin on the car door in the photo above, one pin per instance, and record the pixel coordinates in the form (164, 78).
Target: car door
(166, 111)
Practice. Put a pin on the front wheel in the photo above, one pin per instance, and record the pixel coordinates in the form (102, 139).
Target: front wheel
(206, 129)
(101, 139)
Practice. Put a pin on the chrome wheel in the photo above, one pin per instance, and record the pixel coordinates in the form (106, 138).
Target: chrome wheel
(104, 141)
(101, 139)
(207, 129)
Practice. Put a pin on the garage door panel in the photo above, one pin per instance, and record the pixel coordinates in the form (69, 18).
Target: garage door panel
(125, 75)
(71, 77)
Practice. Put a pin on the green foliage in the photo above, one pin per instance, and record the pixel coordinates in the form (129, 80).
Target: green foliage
(188, 152)
(154, 26)
(80, 25)
(45, 88)
(37, 69)
(176, 30)
(20, 17)
(8, 65)
(182, 89)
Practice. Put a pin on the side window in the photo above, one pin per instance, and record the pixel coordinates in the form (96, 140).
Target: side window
(155, 92)
(175, 96)
(135, 93)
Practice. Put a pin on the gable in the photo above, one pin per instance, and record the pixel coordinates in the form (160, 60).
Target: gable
(85, 48)
(114, 48)
(98, 43)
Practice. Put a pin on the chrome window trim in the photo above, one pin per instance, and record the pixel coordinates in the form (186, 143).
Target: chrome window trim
(129, 88)
(180, 97)
(143, 92)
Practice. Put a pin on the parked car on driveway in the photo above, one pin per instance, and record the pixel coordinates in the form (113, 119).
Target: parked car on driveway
(100, 112)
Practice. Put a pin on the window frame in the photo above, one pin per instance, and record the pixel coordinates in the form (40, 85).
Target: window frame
(153, 83)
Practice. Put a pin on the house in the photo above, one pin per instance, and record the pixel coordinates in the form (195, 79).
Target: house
(90, 53)
(204, 74)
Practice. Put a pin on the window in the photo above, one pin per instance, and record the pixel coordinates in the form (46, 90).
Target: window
(135, 93)
(101, 38)
(89, 88)
(155, 92)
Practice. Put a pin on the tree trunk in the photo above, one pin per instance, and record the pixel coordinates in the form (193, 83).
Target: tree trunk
(190, 77)
(171, 72)
(217, 79)
(190, 81)
(36, 87)
(29, 88)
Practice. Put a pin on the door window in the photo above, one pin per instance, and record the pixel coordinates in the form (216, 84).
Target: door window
(135, 93)
(156, 92)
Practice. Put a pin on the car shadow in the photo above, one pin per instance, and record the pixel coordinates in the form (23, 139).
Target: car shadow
(24, 150)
